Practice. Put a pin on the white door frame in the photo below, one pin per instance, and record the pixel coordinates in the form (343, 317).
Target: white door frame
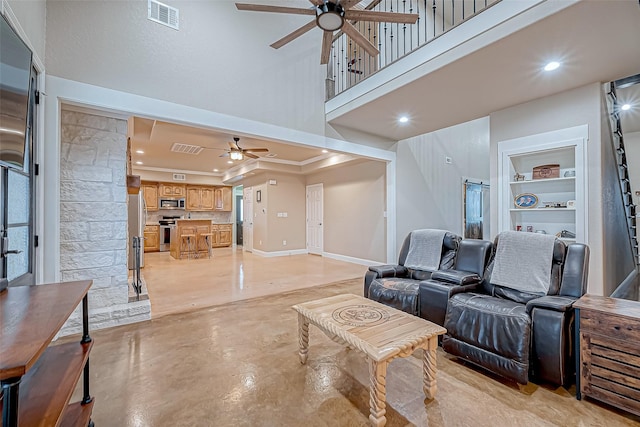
(314, 225)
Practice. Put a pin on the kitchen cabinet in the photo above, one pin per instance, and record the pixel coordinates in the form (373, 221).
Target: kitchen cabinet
(151, 238)
(200, 198)
(221, 235)
(172, 190)
(222, 198)
(38, 379)
(224, 237)
(150, 193)
(554, 205)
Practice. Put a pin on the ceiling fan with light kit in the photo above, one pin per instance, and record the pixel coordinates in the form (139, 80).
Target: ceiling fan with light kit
(334, 15)
(235, 152)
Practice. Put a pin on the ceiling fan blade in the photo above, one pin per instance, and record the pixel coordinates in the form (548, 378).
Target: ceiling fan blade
(233, 146)
(360, 40)
(294, 35)
(275, 9)
(348, 4)
(374, 16)
(327, 38)
(252, 156)
(316, 2)
(224, 154)
(256, 150)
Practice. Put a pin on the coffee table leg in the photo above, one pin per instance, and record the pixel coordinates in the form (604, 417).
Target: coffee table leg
(430, 368)
(378, 392)
(303, 338)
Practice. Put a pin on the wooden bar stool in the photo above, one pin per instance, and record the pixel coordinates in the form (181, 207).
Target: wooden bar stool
(208, 237)
(189, 239)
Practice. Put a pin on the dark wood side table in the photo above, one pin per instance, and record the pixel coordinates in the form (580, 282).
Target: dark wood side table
(608, 360)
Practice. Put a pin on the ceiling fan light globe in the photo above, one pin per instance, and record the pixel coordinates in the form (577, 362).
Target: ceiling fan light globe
(235, 155)
(330, 21)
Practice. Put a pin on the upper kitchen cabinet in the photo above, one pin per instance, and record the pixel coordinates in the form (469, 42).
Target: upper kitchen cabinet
(200, 198)
(222, 198)
(172, 190)
(150, 192)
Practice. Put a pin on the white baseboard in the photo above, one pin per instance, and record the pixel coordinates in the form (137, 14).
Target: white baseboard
(280, 253)
(353, 260)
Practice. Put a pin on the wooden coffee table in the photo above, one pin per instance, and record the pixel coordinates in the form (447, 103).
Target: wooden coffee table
(382, 333)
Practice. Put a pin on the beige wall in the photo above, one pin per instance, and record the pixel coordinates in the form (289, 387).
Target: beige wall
(567, 109)
(429, 190)
(112, 44)
(354, 205)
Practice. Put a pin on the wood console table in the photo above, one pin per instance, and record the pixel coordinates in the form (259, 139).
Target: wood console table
(38, 379)
(608, 363)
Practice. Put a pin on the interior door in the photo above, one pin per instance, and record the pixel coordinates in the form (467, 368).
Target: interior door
(315, 243)
(247, 224)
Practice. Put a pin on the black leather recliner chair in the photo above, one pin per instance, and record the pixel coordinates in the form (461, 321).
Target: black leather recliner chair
(516, 334)
(403, 294)
(467, 273)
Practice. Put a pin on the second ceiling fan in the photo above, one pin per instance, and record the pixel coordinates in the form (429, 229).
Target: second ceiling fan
(332, 16)
(237, 153)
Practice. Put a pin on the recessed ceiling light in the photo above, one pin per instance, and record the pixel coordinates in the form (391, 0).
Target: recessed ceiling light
(140, 151)
(216, 170)
(551, 66)
(325, 151)
(230, 162)
(626, 107)
(138, 162)
(403, 119)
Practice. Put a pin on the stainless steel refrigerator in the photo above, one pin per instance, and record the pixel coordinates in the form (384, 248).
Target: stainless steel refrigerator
(137, 219)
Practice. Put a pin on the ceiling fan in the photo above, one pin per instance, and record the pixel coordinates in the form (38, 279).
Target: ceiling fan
(333, 15)
(235, 152)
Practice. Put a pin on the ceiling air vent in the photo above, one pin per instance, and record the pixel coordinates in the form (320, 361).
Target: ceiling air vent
(179, 177)
(163, 14)
(186, 148)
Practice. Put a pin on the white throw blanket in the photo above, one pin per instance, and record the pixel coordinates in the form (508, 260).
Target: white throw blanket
(523, 261)
(425, 249)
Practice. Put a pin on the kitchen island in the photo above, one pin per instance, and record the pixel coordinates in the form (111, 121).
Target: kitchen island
(220, 237)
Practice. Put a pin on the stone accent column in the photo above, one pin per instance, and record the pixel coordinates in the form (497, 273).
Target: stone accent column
(93, 217)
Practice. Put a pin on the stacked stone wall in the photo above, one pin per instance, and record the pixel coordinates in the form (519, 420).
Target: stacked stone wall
(93, 217)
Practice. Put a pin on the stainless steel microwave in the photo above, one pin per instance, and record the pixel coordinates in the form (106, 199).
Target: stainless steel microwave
(172, 203)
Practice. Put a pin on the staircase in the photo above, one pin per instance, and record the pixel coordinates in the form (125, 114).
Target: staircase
(629, 287)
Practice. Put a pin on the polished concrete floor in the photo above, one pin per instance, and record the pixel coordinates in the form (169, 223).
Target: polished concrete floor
(237, 365)
(177, 286)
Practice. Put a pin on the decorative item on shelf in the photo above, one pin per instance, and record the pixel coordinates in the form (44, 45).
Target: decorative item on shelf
(530, 228)
(518, 228)
(546, 171)
(570, 173)
(554, 204)
(526, 201)
(541, 231)
(571, 203)
(518, 177)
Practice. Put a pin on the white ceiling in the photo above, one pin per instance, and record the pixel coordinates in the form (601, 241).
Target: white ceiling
(594, 40)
